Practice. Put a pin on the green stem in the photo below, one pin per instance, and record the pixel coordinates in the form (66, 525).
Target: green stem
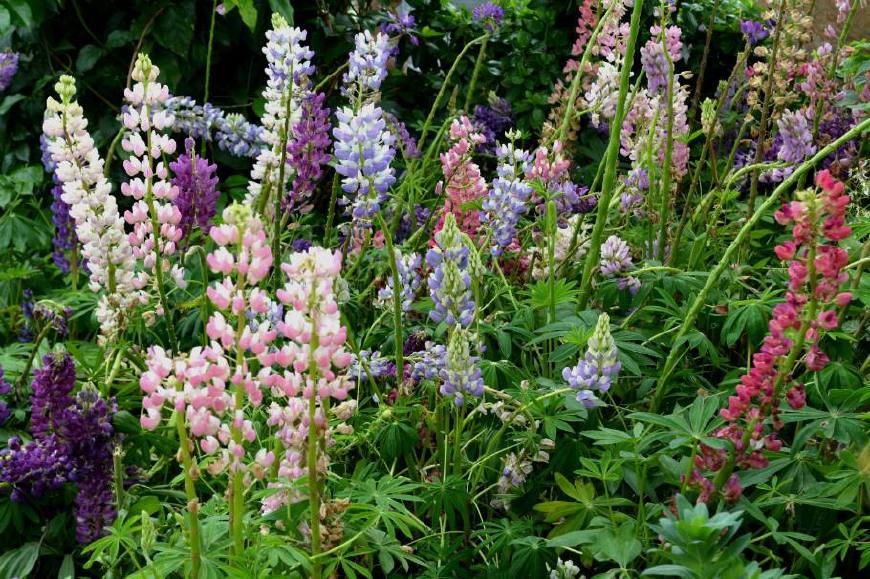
(578, 75)
(665, 190)
(699, 84)
(313, 488)
(208, 53)
(457, 440)
(190, 493)
(713, 278)
(609, 179)
(765, 109)
(422, 141)
(330, 214)
(478, 64)
(279, 190)
(397, 298)
(25, 374)
(205, 94)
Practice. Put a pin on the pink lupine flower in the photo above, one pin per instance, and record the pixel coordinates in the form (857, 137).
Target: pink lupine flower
(794, 330)
(463, 182)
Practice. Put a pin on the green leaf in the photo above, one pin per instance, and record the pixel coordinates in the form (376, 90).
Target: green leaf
(67, 568)
(8, 102)
(246, 11)
(284, 8)
(88, 57)
(174, 29)
(19, 562)
(21, 12)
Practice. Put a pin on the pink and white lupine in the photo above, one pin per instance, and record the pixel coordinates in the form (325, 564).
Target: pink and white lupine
(213, 385)
(86, 190)
(309, 367)
(153, 216)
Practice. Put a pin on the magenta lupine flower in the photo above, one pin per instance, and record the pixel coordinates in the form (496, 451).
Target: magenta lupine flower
(307, 149)
(752, 414)
(196, 181)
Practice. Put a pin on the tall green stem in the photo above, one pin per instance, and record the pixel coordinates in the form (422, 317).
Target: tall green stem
(609, 179)
(190, 492)
(422, 141)
(578, 74)
(397, 298)
(279, 189)
(765, 108)
(478, 64)
(313, 487)
(713, 278)
(665, 201)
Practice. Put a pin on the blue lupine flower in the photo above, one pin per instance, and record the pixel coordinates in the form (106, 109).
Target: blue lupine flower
(409, 280)
(450, 283)
(598, 369)
(367, 66)
(461, 374)
(507, 197)
(364, 151)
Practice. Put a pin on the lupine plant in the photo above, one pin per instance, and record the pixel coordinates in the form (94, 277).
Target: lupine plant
(431, 291)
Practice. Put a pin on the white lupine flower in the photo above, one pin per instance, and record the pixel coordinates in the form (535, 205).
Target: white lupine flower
(99, 226)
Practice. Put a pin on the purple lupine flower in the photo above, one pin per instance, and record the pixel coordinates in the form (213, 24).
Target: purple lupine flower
(307, 149)
(8, 68)
(508, 197)
(51, 388)
(232, 132)
(300, 245)
(598, 369)
(492, 120)
(489, 14)
(87, 428)
(430, 365)
(45, 155)
(197, 183)
(364, 151)
(450, 283)
(755, 31)
(632, 198)
(407, 143)
(72, 442)
(367, 66)
(409, 281)
(797, 140)
(655, 66)
(398, 25)
(191, 119)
